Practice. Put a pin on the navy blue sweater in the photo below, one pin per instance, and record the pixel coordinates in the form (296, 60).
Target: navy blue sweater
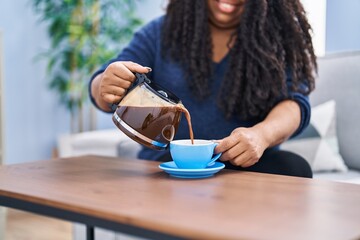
(207, 119)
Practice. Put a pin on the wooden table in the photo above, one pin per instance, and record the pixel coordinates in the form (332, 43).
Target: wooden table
(136, 197)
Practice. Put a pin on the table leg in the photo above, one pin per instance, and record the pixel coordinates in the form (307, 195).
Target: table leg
(90, 233)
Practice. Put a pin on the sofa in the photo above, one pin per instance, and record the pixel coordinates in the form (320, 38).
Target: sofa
(338, 81)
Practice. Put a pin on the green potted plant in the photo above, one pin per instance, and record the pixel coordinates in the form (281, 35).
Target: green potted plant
(84, 34)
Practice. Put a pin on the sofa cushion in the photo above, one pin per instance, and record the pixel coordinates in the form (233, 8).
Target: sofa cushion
(350, 176)
(100, 142)
(128, 148)
(339, 79)
(318, 144)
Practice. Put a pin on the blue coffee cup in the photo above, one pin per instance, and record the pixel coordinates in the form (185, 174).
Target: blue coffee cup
(193, 156)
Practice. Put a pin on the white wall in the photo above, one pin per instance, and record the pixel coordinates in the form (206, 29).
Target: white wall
(342, 26)
(33, 117)
(316, 13)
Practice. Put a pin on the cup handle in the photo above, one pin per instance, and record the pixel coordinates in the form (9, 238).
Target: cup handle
(213, 159)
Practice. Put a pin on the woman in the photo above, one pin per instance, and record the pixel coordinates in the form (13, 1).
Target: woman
(243, 69)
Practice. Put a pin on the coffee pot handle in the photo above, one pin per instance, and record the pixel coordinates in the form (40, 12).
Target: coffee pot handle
(140, 77)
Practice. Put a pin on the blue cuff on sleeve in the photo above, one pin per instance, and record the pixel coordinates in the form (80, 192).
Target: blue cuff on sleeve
(305, 110)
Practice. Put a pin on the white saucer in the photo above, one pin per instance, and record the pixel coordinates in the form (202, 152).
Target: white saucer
(173, 170)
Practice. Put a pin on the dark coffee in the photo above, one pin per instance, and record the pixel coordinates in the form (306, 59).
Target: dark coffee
(150, 115)
(153, 127)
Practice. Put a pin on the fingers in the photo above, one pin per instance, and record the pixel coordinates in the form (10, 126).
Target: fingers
(113, 94)
(134, 67)
(233, 152)
(239, 155)
(125, 70)
(225, 144)
(249, 163)
(118, 72)
(111, 98)
(246, 159)
(241, 148)
(117, 78)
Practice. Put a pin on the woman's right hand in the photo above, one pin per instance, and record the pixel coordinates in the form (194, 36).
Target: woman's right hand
(110, 86)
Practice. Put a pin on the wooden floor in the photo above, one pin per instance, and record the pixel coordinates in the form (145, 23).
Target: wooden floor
(25, 226)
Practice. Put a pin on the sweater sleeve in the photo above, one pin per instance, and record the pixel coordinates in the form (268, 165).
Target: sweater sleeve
(305, 110)
(141, 49)
(304, 104)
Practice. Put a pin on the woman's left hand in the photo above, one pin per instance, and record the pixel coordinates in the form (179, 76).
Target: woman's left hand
(243, 147)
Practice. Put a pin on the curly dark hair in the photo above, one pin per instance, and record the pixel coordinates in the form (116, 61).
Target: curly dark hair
(272, 40)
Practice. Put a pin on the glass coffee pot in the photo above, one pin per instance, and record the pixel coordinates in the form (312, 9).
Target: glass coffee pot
(148, 114)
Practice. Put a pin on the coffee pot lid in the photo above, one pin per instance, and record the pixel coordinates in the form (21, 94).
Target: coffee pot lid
(157, 89)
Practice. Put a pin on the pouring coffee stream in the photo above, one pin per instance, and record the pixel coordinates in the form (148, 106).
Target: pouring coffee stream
(150, 114)
(188, 118)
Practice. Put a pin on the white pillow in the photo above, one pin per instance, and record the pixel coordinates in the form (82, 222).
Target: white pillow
(100, 142)
(318, 143)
